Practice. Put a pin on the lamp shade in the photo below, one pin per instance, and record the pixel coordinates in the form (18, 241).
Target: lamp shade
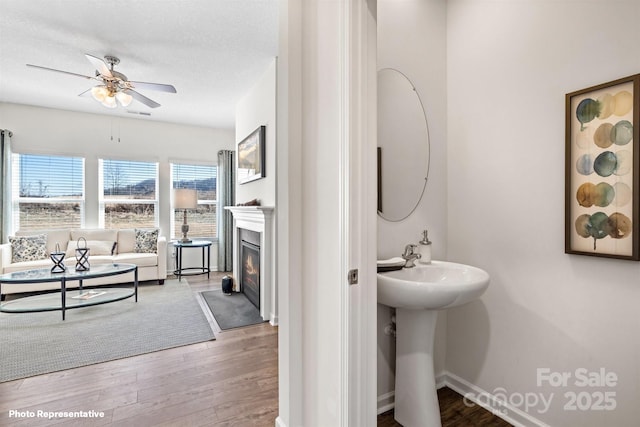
(185, 198)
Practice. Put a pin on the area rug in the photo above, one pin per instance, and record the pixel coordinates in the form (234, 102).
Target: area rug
(231, 311)
(164, 317)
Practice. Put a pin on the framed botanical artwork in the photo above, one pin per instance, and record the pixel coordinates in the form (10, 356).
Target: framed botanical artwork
(602, 163)
(251, 156)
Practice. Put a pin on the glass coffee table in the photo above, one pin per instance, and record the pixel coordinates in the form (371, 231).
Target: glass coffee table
(72, 298)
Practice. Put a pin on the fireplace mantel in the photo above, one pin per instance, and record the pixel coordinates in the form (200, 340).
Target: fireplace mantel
(259, 219)
(257, 214)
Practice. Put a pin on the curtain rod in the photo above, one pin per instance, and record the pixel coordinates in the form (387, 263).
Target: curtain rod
(8, 131)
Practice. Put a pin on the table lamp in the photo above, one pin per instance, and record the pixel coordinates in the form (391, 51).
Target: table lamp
(185, 198)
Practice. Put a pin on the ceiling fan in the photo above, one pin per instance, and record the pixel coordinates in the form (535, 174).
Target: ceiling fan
(114, 87)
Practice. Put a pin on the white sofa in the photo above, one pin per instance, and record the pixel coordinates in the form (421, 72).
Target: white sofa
(151, 266)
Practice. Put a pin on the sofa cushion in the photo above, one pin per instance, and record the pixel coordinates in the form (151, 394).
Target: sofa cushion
(146, 240)
(139, 259)
(98, 259)
(28, 248)
(96, 247)
(126, 241)
(60, 237)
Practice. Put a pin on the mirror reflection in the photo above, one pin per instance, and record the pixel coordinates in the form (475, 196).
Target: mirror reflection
(403, 146)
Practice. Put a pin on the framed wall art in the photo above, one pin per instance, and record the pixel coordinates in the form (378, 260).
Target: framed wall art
(251, 156)
(602, 191)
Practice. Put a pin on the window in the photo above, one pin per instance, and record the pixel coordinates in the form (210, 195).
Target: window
(202, 221)
(129, 194)
(47, 192)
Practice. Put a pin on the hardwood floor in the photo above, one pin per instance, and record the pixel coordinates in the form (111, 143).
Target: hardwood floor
(232, 381)
(453, 413)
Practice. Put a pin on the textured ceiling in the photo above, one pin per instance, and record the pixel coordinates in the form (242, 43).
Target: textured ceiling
(212, 51)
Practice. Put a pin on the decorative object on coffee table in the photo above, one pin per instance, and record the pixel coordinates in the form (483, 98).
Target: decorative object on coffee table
(82, 256)
(185, 198)
(57, 257)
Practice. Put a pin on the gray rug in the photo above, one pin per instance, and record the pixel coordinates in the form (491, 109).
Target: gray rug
(164, 317)
(231, 311)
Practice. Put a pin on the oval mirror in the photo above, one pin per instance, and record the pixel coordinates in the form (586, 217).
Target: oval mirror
(403, 146)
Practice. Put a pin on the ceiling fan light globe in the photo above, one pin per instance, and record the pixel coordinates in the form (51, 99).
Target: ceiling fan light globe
(99, 93)
(124, 99)
(110, 102)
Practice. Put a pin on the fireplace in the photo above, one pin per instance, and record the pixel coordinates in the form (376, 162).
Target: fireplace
(258, 221)
(250, 265)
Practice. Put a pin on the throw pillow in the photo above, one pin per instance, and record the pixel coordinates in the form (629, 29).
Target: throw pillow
(28, 248)
(146, 241)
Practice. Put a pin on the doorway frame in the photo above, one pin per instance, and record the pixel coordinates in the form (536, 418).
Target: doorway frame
(356, 336)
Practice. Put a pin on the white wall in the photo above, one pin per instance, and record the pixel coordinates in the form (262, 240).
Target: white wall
(509, 66)
(258, 108)
(50, 131)
(412, 39)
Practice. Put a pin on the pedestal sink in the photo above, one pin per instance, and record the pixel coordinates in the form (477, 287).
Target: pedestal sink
(417, 294)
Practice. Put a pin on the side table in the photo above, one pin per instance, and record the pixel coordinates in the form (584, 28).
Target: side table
(180, 271)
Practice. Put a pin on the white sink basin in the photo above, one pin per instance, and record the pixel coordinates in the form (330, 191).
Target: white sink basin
(417, 293)
(432, 286)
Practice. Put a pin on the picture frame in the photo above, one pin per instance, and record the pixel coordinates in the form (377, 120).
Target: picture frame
(602, 164)
(251, 158)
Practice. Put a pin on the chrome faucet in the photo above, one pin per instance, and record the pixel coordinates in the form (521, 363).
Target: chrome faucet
(410, 256)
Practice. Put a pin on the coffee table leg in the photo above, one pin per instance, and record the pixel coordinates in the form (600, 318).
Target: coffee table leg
(63, 290)
(208, 260)
(135, 282)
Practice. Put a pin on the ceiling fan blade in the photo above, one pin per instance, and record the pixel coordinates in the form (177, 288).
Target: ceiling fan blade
(140, 97)
(60, 71)
(99, 65)
(154, 86)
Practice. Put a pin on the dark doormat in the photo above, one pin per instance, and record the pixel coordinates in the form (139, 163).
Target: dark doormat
(231, 311)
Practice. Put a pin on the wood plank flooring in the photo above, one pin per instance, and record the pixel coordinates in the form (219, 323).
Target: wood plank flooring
(453, 413)
(232, 381)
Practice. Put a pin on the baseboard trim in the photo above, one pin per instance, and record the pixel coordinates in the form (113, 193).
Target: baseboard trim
(386, 402)
(489, 401)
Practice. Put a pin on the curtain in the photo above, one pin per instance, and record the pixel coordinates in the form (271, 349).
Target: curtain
(5, 185)
(226, 197)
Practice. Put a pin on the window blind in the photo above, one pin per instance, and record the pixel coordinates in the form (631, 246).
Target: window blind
(47, 192)
(202, 178)
(198, 177)
(129, 194)
(124, 179)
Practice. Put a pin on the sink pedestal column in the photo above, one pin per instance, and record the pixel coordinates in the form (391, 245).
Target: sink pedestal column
(416, 398)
